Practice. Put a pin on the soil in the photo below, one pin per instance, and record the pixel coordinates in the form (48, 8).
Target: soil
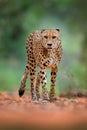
(20, 113)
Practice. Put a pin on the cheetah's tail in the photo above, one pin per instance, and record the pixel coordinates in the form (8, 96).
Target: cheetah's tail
(23, 82)
(21, 91)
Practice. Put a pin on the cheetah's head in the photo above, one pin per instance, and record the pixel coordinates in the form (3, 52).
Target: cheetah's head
(50, 38)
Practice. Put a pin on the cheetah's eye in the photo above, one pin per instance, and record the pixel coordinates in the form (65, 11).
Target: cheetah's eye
(45, 37)
(53, 37)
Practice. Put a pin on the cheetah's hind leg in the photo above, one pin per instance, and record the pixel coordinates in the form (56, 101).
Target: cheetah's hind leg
(38, 86)
(23, 83)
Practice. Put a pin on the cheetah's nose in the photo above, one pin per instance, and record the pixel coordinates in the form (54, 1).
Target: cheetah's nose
(49, 44)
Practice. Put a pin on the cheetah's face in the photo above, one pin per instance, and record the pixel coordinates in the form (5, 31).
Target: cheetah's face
(50, 38)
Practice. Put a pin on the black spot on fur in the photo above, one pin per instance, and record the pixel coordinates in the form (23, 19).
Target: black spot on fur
(26, 47)
(43, 78)
(32, 65)
(30, 73)
(31, 43)
(53, 73)
(27, 67)
(33, 70)
(42, 72)
(42, 30)
(52, 81)
(44, 64)
(31, 79)
(31, 48)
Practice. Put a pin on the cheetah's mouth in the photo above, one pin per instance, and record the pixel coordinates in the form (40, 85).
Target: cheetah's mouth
(49, 47)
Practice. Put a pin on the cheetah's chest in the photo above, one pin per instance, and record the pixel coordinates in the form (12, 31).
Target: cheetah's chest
(46, 60)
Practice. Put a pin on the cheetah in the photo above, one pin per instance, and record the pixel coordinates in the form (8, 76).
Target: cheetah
(44, 50)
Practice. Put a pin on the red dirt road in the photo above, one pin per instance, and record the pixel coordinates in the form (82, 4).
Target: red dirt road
(19, 113)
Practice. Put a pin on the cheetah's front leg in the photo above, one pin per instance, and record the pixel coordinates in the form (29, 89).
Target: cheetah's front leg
(42, 76)
(44, 82)
(53, 80)
(38, 80)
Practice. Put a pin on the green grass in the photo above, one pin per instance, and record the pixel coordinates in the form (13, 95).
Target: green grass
(10, 75)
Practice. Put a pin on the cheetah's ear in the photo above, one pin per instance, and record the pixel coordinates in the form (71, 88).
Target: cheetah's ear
(58, 30)
(42, 30)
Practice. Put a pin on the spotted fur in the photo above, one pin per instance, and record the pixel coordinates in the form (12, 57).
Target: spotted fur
(44, 50)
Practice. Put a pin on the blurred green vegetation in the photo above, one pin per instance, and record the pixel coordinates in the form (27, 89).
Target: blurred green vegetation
(20, 17)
